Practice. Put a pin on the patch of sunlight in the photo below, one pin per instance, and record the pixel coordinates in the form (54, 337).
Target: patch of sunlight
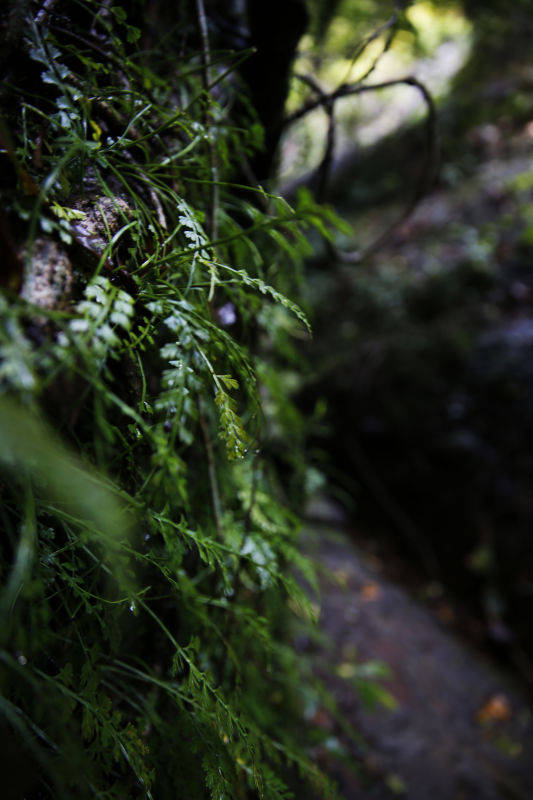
(433, 45)
(436, 24)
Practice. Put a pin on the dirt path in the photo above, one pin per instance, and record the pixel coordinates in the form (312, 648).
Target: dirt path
(461, 730)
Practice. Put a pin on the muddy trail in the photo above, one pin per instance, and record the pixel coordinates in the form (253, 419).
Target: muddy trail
(449, 725)
(452, 723)
(431, 416)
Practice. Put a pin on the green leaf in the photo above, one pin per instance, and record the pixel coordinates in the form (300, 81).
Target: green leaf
(30, 450)
(119, 13)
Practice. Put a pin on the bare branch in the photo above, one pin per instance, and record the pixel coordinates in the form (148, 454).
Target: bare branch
(428, 169)
(427, 173)
(350, 89)
(388, 27)
(329, 108)
(325, 165)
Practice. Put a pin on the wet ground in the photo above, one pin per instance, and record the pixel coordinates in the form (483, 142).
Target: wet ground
(451, 725)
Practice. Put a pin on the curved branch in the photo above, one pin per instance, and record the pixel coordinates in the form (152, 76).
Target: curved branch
(329, 107)
(350, 89)
(426, 176)
(428, 169)
(327, 158)
(388, 27)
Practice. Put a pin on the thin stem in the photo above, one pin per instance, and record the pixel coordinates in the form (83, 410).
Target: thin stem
(206, 59)
(211, 470)
(327, 101)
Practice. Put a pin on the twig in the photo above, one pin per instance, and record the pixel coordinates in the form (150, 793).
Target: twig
(327, 158)
(206, 58)
(350, 89)
(427, 174)
(390, 26)
(87, 42)
(312, 83)
(329, 108)
(328, 100)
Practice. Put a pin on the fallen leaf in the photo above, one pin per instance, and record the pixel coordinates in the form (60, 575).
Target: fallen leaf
(496, 709)
(370, 592)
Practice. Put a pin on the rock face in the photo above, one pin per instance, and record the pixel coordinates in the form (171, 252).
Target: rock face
(49, 274)
(103, 218)
(48, 277)
(461, 729)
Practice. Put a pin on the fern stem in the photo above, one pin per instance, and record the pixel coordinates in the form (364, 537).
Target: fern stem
(206, 58)
(211, 470)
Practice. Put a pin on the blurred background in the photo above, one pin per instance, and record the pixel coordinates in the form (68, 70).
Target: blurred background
(406, 421)
(421, 361)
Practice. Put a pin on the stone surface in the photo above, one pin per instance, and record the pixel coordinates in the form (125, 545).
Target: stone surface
(462, 729)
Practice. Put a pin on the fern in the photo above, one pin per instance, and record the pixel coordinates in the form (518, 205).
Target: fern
(148, 551)
(105, 312)
(232, 430)
(17, 357)
(264, 288)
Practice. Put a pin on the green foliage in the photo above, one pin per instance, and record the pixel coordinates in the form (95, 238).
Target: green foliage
(148, 555)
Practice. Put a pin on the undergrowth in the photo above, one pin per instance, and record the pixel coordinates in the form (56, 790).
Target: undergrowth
(148, 556)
